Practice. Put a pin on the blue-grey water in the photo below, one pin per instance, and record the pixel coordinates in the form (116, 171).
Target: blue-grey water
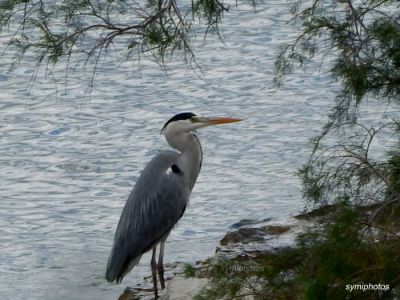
(69, 160)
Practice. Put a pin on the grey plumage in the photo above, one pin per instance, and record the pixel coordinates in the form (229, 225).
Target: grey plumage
(149, 213)
(159, 198)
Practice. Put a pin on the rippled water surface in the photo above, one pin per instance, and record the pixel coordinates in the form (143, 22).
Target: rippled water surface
(68, 163)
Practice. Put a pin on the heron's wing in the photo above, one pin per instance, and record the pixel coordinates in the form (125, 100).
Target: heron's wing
(154, 206)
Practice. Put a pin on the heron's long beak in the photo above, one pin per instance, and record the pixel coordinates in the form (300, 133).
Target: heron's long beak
(219, 120)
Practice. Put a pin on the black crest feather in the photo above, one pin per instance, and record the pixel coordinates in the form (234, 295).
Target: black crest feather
(180, 116)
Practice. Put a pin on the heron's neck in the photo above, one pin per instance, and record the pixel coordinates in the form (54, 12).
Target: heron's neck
(191, 158)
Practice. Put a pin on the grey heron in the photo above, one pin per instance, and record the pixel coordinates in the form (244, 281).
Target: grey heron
(159, 198)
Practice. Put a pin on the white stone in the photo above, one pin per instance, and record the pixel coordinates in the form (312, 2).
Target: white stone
(180, 288)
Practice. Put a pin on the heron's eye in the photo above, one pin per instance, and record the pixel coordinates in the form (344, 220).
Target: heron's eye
(194, 119)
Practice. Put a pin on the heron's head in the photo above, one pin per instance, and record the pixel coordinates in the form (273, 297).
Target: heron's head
(182, 126)
(188, 122)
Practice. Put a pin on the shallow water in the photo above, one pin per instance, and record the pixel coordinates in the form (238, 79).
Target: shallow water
(68, 163)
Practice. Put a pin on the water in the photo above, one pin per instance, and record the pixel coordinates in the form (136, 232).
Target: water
(68, 163)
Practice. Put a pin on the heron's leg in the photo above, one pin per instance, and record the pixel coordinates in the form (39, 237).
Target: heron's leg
(154, 271)
(160, 265)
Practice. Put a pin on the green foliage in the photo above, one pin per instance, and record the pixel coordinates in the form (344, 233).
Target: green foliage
(74, 29)
(6, 10)
(393, 170)
(345, 252)
(357, 245)
(360, 243)
(211, 10)
(344, 167)
(361, 39)
(268, 276)
(189, 271)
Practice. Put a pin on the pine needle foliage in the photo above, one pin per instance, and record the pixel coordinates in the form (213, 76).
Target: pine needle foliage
(86, 31)
(353, 250)
(359, 42)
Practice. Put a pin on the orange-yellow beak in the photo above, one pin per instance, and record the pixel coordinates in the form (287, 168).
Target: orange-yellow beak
(220, 120)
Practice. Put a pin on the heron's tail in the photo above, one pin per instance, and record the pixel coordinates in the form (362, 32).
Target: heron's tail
(119, 264)
(114, 268)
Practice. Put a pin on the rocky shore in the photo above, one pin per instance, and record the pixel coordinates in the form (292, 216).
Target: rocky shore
(246, 240)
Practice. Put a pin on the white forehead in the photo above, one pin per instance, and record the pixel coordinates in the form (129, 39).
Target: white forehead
(179, 126)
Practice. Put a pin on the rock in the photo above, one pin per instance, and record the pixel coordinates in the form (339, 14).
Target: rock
(247, 239)
(317, 214)
(243, 235)
(177, 287)
(250, 235)
(180, 288)
(277, 229)
(247, 222)
(254, 238)
(136, 294)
